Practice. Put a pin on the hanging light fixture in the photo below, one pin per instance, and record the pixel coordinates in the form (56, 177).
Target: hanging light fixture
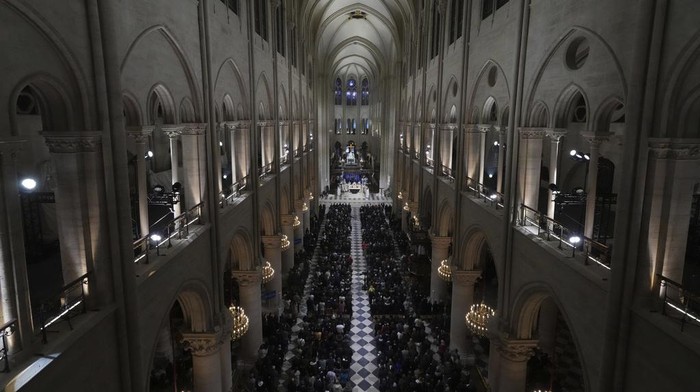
(445, 271)
(477, 318)
(285, 242)
(305, 207)
(240, 322)
(267, 272)
(297, 222)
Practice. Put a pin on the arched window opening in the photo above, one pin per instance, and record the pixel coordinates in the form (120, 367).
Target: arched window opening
(365, 92)
(578, 112)
(351, 93)
(338, 92)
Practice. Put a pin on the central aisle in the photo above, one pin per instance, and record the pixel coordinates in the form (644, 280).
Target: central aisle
(363, 367)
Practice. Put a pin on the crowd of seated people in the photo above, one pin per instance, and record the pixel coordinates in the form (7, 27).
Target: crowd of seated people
(322, 353)
(413, 346)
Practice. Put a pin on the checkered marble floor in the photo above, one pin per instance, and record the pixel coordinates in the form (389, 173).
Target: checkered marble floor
(363, 367)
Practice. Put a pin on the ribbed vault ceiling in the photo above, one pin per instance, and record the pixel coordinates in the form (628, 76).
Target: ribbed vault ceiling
(355, 38)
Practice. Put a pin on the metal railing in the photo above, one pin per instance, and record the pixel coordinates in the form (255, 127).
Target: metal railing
(63, 305)
(551, 230)
(297, 152)
(429, 162)
(447, 171)
(481, 191)
(6, 330)
(265, 170)
(226, 198)
(176, 228)
(684, 303)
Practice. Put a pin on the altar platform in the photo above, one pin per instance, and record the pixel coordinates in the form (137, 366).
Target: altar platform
(356, 198)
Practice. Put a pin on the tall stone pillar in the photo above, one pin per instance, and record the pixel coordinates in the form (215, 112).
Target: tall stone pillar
(440, 249)
(303, 210)
(674, 171)
(140, 137)
(206, 360)
(225, 352)
(594, 142)
(80, 209)
(530, 165)
(462, 300)
(173, 133)
(194, 164)
(231, 129)
(501, 158)
(405, 211)
(473, 140)
(287, 222)
(555, 136)
(483, 131)
(14, 284)
(512, 359)
(249, 291)
(273, 254)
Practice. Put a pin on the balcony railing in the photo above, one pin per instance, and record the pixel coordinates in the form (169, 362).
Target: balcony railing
(551, 230)
(447, 172)
(69, 302)
(429, 162)
(678, 302)
(6, 330)
(227, 198)
(297, 153)
(177, 228)
(265, 171)
(481, 191)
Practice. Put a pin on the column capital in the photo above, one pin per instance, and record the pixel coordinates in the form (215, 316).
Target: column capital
(171, 130)
(516, 350)
(472, 128)
(677, 149)
(10, 147)
(195, 129)
(287, 219)
(247, 278)
(271, 241)
(140, 134)
(202, 344)
(440, 242)
(556, 133)
(485, 128)
(465, 278)
(593, 139)
(532, 133)
(65, 142)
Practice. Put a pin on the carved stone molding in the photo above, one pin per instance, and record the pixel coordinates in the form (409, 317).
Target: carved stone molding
(472, 128)
(287, 219)
(195, 129)
(247, 278)
(465, 278)
(172, 131)
(556, 133)
(533, 133)
(516, 350)
(594, 140)
(271, 241)
(202, 344)
(440, 242)
(677, 149)
(63, 143)
(10, 148)
(140, 134)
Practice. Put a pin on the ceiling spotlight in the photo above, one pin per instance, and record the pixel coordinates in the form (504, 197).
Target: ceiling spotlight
(221, 144)
(149, 154)
(572, 153)
(28, 184)
(587, 157)
(495, 143)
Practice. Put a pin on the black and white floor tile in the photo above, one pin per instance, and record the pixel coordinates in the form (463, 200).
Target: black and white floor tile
(363, 367)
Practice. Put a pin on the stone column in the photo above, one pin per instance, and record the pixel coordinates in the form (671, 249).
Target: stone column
(501, 158)
(225, 352)
(530, 165)
(301, 229)
(555, 136)
(173, 133)
(14, 285)
(140, 136)
(249, 291)
(273, 254)
(206, 360)
(80, 209)
(594, 142)
(231, 129)
(473, 140)
(512, 359)
(287, 222)
(194, 164)
(462, 300)
(405, 211)
(674, 171)
(483, 130)
(440, 251)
